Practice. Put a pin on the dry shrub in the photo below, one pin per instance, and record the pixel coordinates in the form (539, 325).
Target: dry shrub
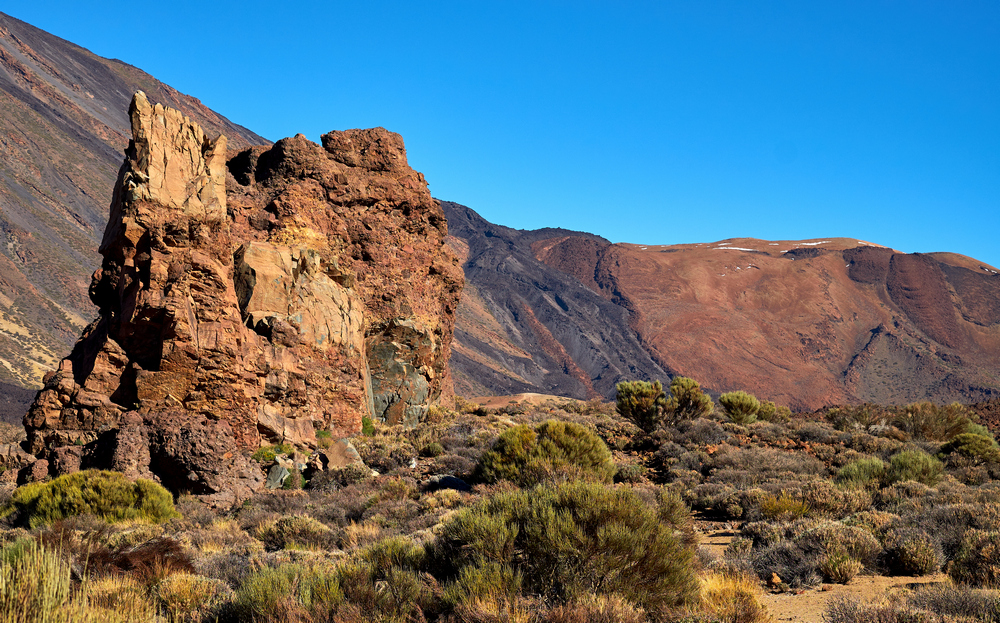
(733, 598)
(188, 598)
(926, 420)
(121, 593)
(835, 537)
(784, 506)
(839, 567)
(910, 551)
(977, 562)
(824, 498)
(795, 567)
(295, 532)
(596, 609)
(957, 601)
(360, 535)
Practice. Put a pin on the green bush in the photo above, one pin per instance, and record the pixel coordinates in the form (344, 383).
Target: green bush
(267, 454)
(770, 412)
(287, 592)
(571, 540)
(368, 427)
(978, 560)
(553, 449)
(109, 495)
(862, 473)
(687, 401)
(741, 407)
(432, 449)
(914, 465)
(926, 420)
(974, 447)
(641, 403)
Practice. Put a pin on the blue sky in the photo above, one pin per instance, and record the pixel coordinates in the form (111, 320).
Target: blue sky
(655, 123)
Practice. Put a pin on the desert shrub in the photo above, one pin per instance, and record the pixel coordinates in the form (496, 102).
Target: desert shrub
(490, 584)
(784, 506)
(839, 567)
(267, 454)
(862, 473)
(385, 580)
(591, 609)
(770, 412)
(294, 481)
(573, 539)
(926, 420)
(187, 598)
(432, 449)
(385, 451)
(150, 561)
(122, 594)
(287, 592)
(914, 465)
(848, 610)
(630, 473)
(794, 566)
(687, 401)
(740, 407)
(910, 551)
(733, 597)
(950, 523)
(338, 478)
(700, 432)
(527, 456)
(763, 533)
(957, 601)
(827, 499)
(34, 583)
(973, 447)
(977, 562)
(835, 537)
(860, 417)
(875, 522)
(109, 495)
(641, 403)
(295, 532)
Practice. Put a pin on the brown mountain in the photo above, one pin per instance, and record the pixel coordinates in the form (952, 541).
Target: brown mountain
(63, 127)
(804, 323)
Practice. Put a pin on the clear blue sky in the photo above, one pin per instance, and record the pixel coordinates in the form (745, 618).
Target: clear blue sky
(648, 122)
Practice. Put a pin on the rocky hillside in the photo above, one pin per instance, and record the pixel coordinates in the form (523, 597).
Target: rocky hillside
(63, 127)
(803, 323)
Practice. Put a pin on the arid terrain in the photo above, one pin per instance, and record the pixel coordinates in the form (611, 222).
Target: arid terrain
(283, 384)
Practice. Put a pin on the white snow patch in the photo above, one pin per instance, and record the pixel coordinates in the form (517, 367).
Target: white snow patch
(733, 249)
(773, 244)
(812, 244)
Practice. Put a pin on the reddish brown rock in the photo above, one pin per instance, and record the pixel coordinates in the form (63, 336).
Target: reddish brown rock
(317, 293)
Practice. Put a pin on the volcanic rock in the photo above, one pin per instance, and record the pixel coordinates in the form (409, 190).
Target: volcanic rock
(317, 293)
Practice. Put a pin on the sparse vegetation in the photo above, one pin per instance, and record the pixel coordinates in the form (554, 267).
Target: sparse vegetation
(525, 514)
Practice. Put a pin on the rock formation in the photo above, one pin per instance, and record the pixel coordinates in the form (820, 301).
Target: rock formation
(317, 293)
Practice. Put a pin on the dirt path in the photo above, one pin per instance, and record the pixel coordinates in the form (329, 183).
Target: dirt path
(807, 606)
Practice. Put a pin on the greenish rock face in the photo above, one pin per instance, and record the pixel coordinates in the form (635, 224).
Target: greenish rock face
(400, 362)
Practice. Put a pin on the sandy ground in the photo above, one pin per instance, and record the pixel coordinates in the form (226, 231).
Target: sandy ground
(807, 606)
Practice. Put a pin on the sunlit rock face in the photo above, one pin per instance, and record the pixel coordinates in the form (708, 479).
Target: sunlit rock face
(314, 293)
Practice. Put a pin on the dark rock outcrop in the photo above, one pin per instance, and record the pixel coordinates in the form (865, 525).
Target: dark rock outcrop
(317, 293)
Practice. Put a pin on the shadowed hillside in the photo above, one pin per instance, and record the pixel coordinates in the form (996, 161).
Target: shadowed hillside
(805, 323)
(63, 127)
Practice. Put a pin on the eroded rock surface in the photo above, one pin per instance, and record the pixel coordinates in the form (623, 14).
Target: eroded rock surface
(317, 293)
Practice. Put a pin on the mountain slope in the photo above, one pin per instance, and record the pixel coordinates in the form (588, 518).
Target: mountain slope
(63, 127)
(804, 323)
